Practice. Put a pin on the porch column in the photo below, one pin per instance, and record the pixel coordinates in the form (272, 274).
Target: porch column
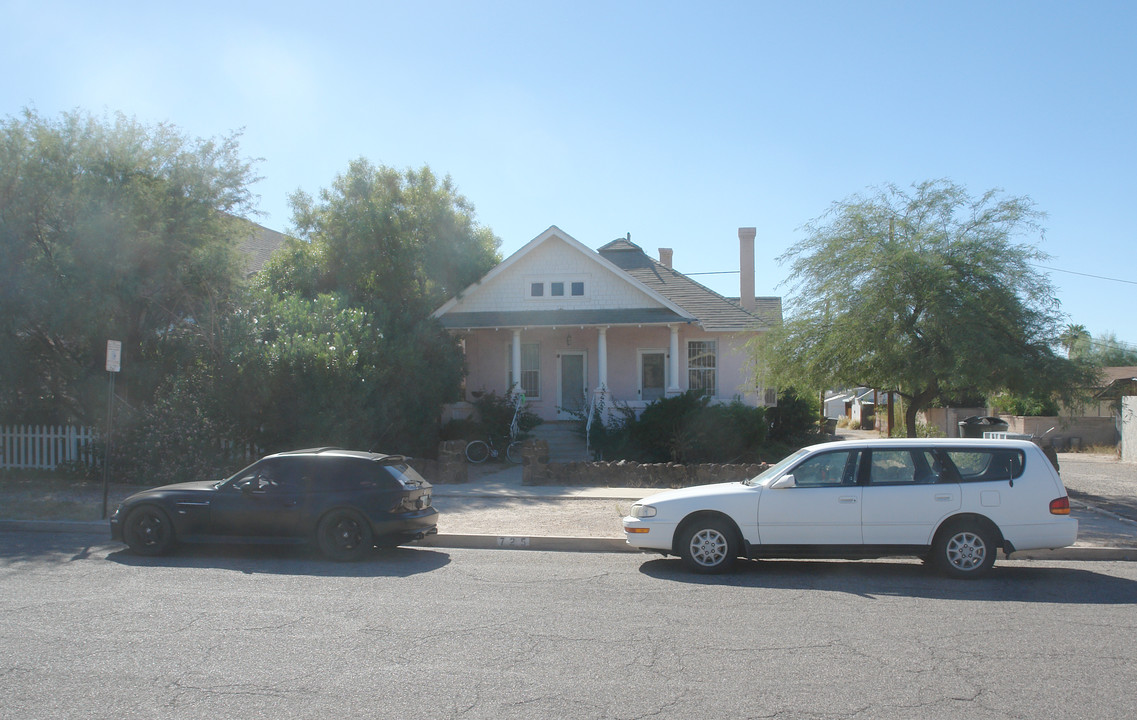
(602, 359)
(673, 366)
(515, 378)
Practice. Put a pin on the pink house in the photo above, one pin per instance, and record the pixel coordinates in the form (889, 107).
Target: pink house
(568, 324)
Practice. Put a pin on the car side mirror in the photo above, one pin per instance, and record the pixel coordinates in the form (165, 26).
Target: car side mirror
(785, 481)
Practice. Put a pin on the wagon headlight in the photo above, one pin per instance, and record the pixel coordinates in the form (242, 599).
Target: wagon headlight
(642, 511)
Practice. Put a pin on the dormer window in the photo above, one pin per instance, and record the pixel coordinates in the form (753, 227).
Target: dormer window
(536, 289)
(557, 289)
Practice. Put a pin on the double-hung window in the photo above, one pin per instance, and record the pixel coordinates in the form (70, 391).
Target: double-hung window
(702, 366)
(530, 369)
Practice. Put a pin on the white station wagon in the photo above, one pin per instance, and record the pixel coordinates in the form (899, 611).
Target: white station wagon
(952, 502)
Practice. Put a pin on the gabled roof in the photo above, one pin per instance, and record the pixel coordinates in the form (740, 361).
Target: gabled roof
(715, 312)
(682, 299)
(669, 313)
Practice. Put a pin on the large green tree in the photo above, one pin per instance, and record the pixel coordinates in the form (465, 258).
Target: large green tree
(926, 291)
(338, 344)
(109, 229)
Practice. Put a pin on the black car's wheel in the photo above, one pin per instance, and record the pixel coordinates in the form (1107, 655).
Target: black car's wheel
(708, 545)
(344, 535)
(148, 531)
(477, 451)
(513, 452)
(964, 550)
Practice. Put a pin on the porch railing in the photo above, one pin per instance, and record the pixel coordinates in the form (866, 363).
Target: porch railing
(595, 400)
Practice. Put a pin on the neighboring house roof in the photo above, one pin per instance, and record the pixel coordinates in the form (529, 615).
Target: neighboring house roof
(678, 298)
(259, 246)
(1113, 374)
(1118, 381)
(714, 311)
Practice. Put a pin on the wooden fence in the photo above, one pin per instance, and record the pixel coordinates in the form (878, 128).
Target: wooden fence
(45, 447)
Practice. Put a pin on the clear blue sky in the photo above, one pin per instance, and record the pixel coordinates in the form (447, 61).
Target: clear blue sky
(675, 122)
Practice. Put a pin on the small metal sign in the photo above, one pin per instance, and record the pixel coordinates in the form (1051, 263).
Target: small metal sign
(114, 356)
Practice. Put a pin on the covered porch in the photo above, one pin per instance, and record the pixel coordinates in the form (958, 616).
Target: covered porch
(562, 368)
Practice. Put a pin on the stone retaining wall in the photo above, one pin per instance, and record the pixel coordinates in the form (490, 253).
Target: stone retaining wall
(449, 469)
(635, 475)
(537, 470)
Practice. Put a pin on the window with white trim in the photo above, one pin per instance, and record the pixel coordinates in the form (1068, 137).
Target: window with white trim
(530, 368)
(702, 366)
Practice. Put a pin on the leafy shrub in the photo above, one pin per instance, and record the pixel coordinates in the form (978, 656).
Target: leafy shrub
(1033, 406)
(794, 420)
(181, 437)
(685, 428)
(496, 413)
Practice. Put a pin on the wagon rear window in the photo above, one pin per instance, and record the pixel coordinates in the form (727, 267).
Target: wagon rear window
(979, 465)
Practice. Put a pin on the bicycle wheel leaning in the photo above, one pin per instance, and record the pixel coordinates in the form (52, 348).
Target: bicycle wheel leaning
(477, 451)
(513, 452)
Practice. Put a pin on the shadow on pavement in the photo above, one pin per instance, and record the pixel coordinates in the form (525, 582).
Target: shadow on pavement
(247, 559)
(884, 578)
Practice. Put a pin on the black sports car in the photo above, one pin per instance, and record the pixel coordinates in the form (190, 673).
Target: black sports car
(346, 502)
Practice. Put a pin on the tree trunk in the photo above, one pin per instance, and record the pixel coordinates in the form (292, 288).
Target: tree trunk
(916, 403)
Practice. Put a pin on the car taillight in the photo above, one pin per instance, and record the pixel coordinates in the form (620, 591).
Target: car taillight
(1060, 506)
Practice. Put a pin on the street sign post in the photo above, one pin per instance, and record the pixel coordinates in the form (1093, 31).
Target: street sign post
(114, 366)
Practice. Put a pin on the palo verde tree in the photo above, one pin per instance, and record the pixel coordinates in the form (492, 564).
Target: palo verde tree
(109, 229)
(927, 292)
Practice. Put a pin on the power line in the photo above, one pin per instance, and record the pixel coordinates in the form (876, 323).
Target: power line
(1096, 277)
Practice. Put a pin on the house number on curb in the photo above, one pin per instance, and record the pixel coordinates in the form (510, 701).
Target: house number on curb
(513, 542)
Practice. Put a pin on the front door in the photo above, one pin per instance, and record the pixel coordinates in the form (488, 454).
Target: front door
(653, 374)
(572, 384)
(263, 502)
(824, 507)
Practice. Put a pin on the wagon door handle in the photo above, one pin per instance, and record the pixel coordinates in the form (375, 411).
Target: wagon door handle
(944, 498)
(846, 499)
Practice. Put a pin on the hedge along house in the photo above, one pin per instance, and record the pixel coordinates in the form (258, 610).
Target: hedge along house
(569, 325)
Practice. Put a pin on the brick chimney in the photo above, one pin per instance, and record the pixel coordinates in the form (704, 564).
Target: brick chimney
(746, 267)
(665, 255)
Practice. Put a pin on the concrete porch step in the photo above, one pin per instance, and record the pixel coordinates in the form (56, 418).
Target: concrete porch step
(565, 445)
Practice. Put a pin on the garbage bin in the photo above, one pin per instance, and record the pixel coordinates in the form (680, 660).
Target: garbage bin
(975, 426)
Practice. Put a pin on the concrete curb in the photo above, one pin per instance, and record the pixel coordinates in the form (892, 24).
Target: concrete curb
(541, 542)
(565, 544)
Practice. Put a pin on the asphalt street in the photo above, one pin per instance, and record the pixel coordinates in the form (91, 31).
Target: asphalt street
(92, 631)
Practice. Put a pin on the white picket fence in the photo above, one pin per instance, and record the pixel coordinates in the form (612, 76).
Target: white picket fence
(45, 447)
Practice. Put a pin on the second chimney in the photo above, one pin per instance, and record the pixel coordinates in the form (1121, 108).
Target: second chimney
(665, 255)
(746, 267)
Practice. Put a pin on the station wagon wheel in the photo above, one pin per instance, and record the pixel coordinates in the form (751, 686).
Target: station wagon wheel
(708, 545)
(344, 535)
(964, 550)
(477, 451)
(148, 531)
